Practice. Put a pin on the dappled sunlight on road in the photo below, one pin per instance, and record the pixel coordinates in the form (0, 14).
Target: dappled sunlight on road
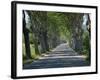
(61, 56)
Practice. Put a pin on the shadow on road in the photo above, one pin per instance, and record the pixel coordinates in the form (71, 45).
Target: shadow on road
(61, 56)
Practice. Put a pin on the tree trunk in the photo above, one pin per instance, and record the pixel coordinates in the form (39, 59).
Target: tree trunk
(43, 42)
(26, 37)
(43, 47)
(36, 46)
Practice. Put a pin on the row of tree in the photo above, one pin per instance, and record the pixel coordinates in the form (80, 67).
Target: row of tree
(52, 28)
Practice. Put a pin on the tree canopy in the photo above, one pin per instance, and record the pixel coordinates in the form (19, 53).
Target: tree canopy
(49, 29)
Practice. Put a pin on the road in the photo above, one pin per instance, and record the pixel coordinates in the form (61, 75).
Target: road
(61, 56)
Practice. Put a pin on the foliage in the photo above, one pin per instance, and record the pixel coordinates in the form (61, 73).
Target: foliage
(49, 29)
(86, 45)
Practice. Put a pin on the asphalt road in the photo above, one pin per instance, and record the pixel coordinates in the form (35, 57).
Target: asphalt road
(61, 56)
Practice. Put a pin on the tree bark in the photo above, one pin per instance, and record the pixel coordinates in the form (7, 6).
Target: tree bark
(36, 46)
(43, 42)
(77, 32)
(26, 37)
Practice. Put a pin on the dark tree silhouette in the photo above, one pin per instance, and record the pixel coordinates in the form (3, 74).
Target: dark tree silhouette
(26, 37)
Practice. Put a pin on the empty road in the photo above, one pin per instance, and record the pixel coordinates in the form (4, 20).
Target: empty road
(61, 56)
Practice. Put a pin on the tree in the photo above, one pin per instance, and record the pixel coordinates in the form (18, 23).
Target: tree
(38, 21)
(35, 40)
(88, 37)
(53, 30)
(26, 37)
(75, 24)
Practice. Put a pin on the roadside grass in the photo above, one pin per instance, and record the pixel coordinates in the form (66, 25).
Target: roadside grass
(33, 54)
(86, 53)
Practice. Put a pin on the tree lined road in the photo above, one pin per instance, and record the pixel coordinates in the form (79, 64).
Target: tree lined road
(61, 56)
